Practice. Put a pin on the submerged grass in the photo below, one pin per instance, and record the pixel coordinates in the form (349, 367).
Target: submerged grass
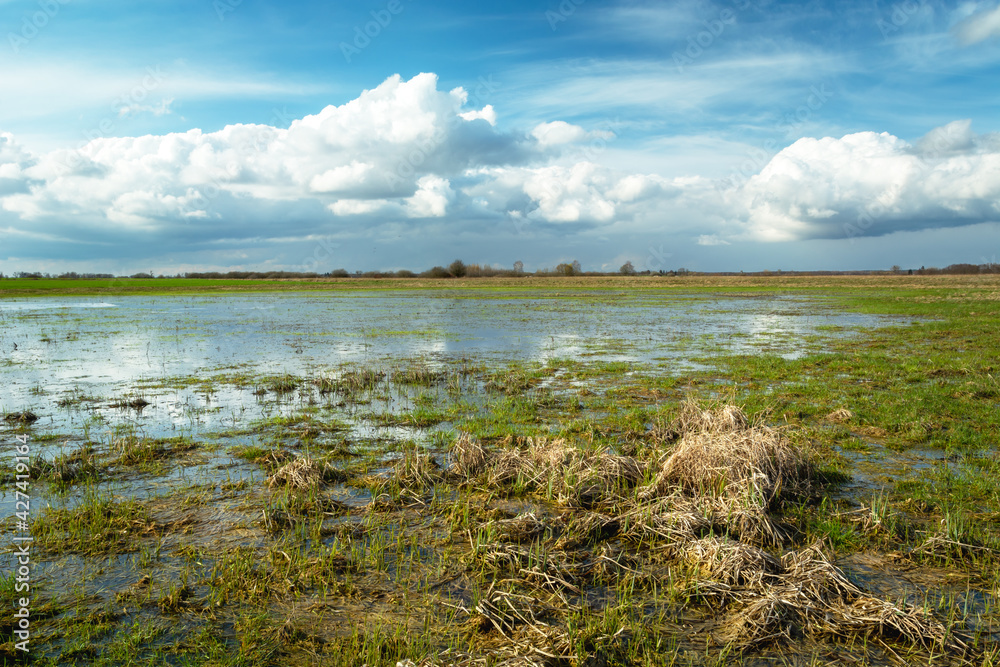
(101, 524)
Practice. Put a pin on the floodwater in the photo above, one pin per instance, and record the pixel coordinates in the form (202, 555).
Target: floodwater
(67, 359)
(105, 346)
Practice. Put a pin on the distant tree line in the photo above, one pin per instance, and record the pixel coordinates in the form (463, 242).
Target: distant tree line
(72, 275)
(959, 269)
(459, 269)
(244, 275)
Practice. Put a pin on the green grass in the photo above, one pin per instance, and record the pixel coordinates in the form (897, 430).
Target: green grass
(100, 524)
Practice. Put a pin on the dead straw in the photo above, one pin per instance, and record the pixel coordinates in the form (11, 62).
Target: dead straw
(302, 473)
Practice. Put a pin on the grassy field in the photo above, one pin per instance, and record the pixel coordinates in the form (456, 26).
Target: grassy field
(886, 286)
(838, 508)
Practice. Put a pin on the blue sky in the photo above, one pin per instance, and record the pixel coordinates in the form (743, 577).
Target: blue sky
(736, 135)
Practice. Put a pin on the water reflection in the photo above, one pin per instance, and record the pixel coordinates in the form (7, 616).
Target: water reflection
(51, 346)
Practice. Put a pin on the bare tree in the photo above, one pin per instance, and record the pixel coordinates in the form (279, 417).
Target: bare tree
(518, 266)
(627, 269)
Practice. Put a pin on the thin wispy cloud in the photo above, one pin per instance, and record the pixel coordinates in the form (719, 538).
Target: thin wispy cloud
(980, 26)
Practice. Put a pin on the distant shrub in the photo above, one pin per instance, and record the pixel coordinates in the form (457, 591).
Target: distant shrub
(436, 272)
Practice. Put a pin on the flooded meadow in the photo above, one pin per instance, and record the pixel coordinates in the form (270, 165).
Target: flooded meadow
(544, 476)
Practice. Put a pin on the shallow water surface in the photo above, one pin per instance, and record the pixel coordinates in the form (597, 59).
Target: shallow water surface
(102, 346)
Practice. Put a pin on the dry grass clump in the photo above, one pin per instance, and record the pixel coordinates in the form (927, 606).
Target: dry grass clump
(417, 469)
(607, 474)
(526, 625)
(350, 382)
(866, 615)
(574, 476)
(610, 563)
(732, 463)
(468, 456)
(504, 611)
(706, 513)
(25, 417)
(535, 646)
(805, 591)
(509, 557)
(418, 376)
(554, 570)
(134, 449)
(659, 435)
(405, 499)
(721, 454)
(810, 572)
(695, 419)
(748, 518)
(302, 473)
(942, 546)
(293, 509)
(839, 416)
(731, 562)
(522, 528)
(136, 402)
(587, 528)
(273, 459)
(759, 620)
(731, 471)
(680, 518)
(67, 468)
(675, 519)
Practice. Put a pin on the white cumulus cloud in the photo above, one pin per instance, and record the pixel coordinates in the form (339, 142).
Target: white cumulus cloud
(406, 151)
(558, 133)
(873, 184)
(431, 199)
(384, 145)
